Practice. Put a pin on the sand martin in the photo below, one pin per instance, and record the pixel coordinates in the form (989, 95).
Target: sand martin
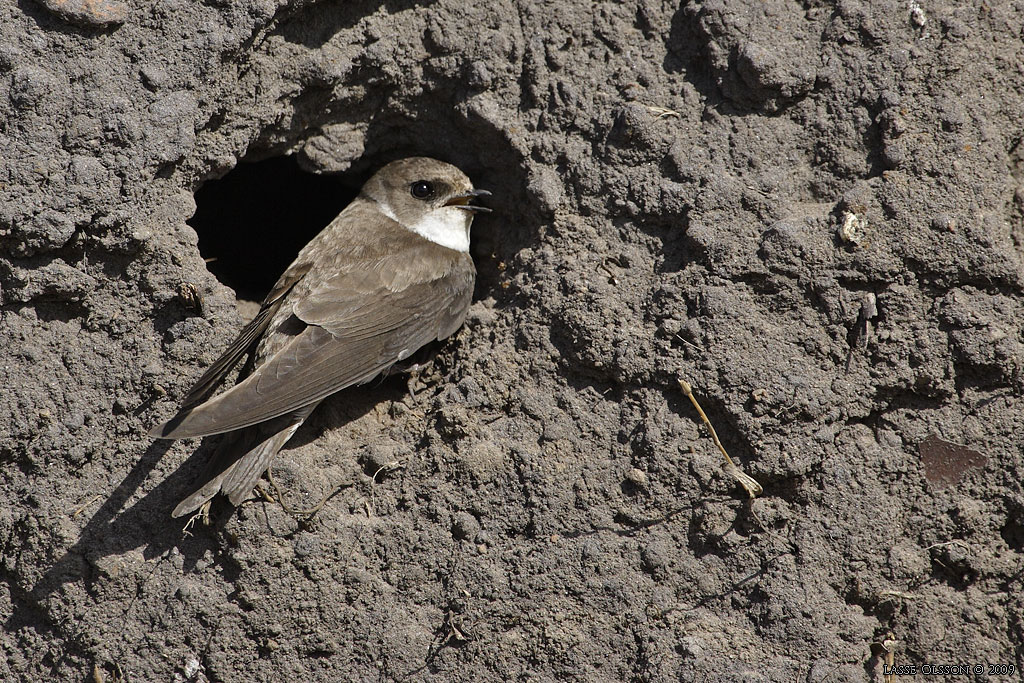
(390, 274)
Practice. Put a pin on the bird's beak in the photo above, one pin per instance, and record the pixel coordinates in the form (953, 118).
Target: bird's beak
(461, 201)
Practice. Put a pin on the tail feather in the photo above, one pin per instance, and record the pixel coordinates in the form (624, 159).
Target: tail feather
(236, 475)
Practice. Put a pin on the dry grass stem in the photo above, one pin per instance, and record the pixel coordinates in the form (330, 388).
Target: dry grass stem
(753, 488)
(308, 512)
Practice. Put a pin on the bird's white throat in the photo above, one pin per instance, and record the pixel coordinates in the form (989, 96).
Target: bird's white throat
(446, 225)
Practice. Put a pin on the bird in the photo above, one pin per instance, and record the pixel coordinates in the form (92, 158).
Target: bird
(389, 275)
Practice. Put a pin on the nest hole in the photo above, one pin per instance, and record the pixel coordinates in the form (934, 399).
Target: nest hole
(253, 221)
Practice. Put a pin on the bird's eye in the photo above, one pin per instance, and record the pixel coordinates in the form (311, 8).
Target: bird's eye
(421, 189)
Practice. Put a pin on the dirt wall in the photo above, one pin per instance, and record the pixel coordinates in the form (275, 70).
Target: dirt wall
(813, 212)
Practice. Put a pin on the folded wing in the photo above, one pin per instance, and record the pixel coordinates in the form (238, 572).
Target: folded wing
(359, 323)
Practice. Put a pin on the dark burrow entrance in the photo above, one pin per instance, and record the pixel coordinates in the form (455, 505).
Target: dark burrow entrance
(252, 222)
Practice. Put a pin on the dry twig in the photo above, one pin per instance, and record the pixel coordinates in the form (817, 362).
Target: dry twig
(81, 508)
(746, 481)
(308, 512)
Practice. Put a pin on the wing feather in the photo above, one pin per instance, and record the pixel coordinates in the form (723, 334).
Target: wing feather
(215, 374)
(356, 329)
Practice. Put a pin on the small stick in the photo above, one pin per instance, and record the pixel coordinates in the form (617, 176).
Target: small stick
(899, 594)
(661, 112)
(81, 508)
(746, 481)
(955, 541)
(889, 645)
(387, 467)
(309, 512)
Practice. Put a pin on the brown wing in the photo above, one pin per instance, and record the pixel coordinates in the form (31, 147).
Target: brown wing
(245, 339)
(359, 325)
